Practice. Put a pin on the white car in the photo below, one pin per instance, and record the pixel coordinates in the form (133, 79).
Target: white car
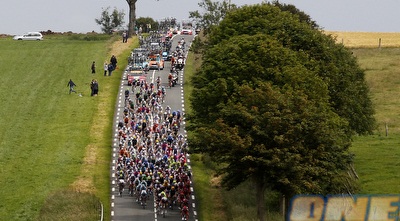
(186, 31)
(29, 36)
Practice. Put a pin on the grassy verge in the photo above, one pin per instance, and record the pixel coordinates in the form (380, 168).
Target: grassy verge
(95, 175)
(58, 206)
(208, 196)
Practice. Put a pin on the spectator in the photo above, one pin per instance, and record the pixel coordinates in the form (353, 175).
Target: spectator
(93, 67)
(110, 69)
(113, 61)
(105, 68)
(94, 86)
(71, 85)
(124, 37)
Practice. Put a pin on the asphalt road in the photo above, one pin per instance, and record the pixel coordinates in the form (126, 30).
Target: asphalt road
(124, 207)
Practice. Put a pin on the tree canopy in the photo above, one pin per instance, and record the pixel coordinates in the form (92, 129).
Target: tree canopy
(276, 101)
(144, 22)
(110, 22)
(214, 13)
(349, 94)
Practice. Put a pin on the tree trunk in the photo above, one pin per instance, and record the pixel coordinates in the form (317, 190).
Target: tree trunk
(285, 203)
(132, 17)
(282, 205)
(260, 192)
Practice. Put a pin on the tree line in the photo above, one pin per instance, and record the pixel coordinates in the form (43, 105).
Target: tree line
(113, 20)
(276, 101)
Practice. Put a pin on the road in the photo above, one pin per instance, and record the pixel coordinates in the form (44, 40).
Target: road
(124, 207)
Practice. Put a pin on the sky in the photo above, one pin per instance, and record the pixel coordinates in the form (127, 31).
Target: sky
(20, 16)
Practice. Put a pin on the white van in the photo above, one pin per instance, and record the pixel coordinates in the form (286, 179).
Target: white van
(29, 36)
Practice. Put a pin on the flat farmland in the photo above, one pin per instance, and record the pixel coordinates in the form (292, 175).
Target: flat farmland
(366, 39)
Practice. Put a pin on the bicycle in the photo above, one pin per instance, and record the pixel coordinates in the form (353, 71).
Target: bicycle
(143, 198)
(121, 186)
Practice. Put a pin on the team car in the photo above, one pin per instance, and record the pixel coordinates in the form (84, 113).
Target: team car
(186, 31)
(166, 56)
(135, 74)
(156, 62)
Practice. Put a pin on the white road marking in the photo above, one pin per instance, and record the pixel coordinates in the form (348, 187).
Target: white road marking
(152, 80)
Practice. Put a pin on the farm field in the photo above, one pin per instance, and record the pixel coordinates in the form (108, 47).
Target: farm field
(366, 39)
(46, 134)
(49, 138)
(377, 155)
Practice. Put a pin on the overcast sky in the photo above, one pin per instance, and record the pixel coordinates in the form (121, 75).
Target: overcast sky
(20, 16)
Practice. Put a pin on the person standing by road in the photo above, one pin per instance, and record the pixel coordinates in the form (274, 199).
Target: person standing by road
(94, 87)
(71, 86)
(105, 68)
(113, 61)
(124, 37)
(110, 69)
(93, 67)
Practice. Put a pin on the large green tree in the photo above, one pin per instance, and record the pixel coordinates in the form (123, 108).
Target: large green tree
(109, 22)
(265, 117)
(144, 22)
(349, 94)
(263, 106)
(214, 13)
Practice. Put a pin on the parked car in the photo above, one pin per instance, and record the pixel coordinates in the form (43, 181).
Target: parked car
(29, 36)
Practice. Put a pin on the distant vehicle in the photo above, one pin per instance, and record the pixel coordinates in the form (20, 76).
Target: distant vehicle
(186, 31)
(156, 62)
(169, 34)
(140, 51)
(187, 28)
(136, 60)
(29, 36)
(166, 56)
(135, 75)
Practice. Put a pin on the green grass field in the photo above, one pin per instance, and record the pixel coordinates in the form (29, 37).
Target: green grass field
(44, 130)
(47, 136)
(377, 156)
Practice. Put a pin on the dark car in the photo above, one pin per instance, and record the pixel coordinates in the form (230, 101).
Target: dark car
(166, 56)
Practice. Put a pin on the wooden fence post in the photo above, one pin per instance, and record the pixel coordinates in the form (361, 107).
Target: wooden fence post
(387, 129)
(380, 42)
